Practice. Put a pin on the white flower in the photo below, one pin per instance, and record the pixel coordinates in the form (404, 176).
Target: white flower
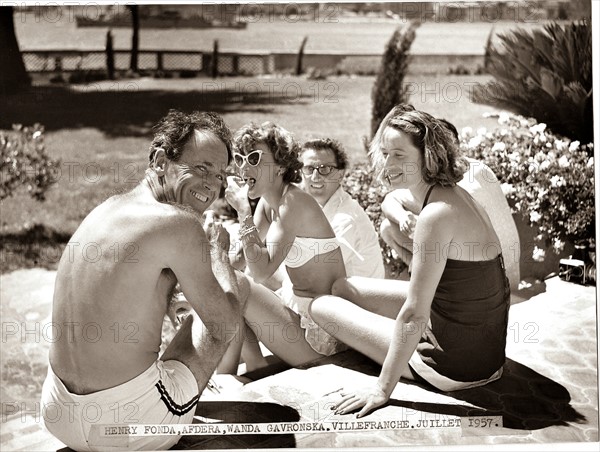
(590, 162)
(557, 181)
(507, 189)
(503, 132)
(558, 244)
(538, 128)
(466, 131)
(498, 146)
(538, 254)
(474, 142)
(542, 137)
(574, 146)
(36, 134)
(481, 131)
(514, 156)
(560, 145)
(563, 162)
(503, 118)
(535, 216)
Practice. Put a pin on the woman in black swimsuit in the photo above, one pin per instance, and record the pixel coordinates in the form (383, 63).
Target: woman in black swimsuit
(448, 323)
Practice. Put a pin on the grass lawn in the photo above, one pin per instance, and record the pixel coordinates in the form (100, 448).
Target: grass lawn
(101, 133)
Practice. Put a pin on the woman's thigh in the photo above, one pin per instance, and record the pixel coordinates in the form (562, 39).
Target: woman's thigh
(380, 296)
(365, 331)
(362, 330)
(277, 326)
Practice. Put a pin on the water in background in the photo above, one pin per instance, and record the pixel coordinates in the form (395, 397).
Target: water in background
(60, 32)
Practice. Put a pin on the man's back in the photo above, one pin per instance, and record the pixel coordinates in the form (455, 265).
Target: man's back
(111, 294)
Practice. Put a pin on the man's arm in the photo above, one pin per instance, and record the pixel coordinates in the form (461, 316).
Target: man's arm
(224, 272)
(207, 280)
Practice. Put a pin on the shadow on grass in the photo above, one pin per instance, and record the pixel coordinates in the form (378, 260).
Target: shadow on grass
(128, 113)
(37, 246)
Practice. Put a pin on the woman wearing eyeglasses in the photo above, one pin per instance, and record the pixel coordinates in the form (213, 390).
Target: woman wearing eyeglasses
(448, 324)
(288, 226)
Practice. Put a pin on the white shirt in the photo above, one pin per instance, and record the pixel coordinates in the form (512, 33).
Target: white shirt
(483, 185)
(359, 240)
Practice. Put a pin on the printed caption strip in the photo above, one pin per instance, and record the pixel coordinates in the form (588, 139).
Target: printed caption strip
(469, 426)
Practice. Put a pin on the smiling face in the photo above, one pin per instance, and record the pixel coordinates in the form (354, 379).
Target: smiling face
(319, 186)
(403, 160)
(195, 180)
(261, 177)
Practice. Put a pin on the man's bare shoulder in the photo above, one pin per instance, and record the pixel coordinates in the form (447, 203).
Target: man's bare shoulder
(150, 217)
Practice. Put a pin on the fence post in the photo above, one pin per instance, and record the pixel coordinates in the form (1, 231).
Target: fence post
(235, 63)
(300, 56)
(214, 68)
(159, 61)
(110, 56)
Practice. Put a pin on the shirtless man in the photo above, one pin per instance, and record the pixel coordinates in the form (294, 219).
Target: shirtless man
(113, 287)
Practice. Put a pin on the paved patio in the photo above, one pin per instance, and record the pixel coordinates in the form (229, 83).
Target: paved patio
(548, 394)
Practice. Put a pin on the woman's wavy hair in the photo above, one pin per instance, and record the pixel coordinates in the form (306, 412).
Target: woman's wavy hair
(174, 130)
(281, 143)
(443, 162)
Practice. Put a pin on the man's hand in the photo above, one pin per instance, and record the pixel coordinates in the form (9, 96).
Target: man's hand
(407, 226)
(218, 236)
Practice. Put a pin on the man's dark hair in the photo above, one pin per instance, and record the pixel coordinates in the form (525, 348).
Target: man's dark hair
(173, 131)
(324, 144)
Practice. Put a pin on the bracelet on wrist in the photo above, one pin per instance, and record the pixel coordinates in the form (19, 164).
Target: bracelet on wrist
(246, 231)
(247, 221)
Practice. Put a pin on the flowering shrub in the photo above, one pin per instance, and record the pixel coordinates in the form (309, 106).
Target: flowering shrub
(24, 162)
(547, 178)
(361, 184)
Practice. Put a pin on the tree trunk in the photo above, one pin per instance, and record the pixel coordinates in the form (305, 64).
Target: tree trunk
(13, 76)
(135, 37)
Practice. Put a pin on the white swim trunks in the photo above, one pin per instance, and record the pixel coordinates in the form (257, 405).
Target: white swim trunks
(166, 393)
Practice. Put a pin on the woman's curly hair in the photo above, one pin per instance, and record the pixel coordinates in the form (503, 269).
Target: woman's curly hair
(281, 143)
(174, 130)
(443, 162)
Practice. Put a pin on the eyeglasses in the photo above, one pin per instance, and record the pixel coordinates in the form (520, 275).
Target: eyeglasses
(252, 159)
(323, 170)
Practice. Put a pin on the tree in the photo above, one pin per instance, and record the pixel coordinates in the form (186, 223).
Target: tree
(546, 74)
(388, 89)
(13, 76)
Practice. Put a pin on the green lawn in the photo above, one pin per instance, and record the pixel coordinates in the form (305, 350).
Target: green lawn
(101, 133)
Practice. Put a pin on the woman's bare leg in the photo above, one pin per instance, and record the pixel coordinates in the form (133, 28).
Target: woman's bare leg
(277, 327)
(251, 352)
(365, 331)
(380, 296)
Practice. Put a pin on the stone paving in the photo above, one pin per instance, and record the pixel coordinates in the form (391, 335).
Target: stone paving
(548, 393)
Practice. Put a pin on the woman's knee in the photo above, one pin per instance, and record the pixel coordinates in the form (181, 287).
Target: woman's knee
(320, 308)
(347, 288)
